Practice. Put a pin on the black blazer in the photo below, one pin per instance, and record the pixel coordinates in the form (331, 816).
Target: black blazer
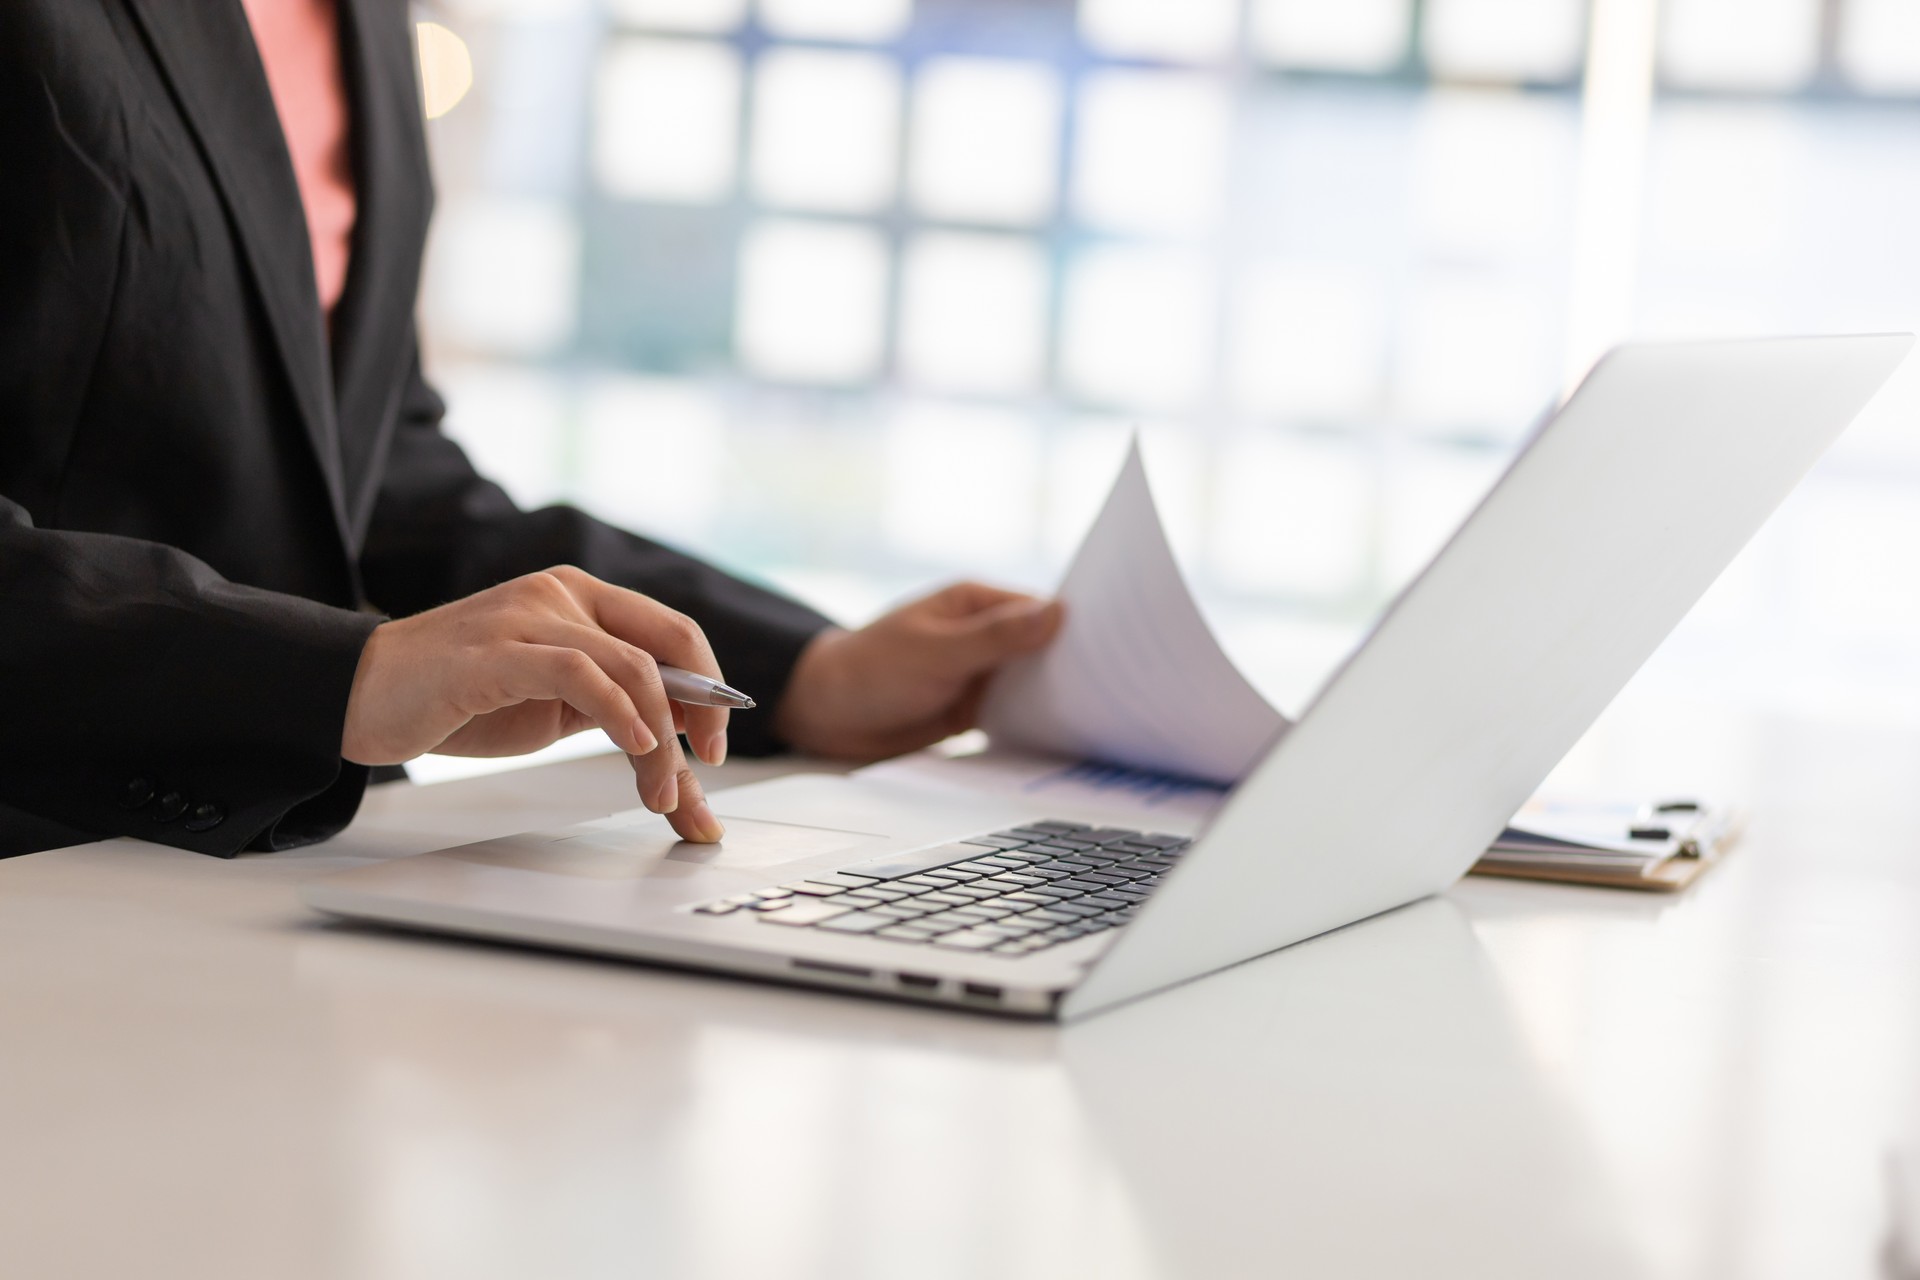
(203, 500)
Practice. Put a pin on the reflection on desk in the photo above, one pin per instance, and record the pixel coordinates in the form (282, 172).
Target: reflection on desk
(200, 1079)
(1359, 1105)
(1224, 1132)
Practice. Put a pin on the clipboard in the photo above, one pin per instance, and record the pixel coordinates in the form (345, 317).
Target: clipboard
(1659, 846)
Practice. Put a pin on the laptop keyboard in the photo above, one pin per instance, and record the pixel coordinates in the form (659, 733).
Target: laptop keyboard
(1007, 892)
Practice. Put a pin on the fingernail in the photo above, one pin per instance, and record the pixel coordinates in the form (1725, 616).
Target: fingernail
(644, 737)
(716, 752)
(705, 823)
(667, 799)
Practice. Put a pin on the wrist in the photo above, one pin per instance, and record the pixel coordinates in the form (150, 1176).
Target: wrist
(358, 744)
(799, 718)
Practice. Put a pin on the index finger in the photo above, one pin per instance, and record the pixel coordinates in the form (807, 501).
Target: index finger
(670, 637)
(960, 599)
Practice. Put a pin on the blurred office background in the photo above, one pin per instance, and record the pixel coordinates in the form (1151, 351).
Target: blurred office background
(862, 295)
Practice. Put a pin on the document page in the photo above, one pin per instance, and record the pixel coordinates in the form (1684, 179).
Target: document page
(1136, 676)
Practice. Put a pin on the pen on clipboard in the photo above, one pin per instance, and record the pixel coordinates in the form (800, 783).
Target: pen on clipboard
(697, 690)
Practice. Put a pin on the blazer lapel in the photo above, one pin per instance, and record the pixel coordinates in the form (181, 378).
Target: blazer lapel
(373, 336)
(206, 51)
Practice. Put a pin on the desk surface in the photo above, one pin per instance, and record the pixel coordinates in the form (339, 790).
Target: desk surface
(198, 1078)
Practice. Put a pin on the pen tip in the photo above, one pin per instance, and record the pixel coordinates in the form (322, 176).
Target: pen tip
(747, 704)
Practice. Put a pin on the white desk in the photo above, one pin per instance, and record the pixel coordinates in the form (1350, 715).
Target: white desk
(199, 1079)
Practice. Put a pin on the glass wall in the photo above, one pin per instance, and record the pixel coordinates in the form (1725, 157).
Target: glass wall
(860, 295)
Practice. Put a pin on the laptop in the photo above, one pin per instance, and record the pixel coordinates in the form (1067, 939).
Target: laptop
(1616, 516)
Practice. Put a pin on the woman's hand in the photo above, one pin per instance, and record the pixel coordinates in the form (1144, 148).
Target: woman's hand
(510, 669)
(911, 678)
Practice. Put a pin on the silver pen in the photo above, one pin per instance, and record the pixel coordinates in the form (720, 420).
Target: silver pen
(697, 690)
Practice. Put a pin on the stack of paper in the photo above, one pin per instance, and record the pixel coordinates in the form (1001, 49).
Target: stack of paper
(1662, 845)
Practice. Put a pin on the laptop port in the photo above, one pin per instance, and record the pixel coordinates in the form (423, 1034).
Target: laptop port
(838, 970)
(920, 981)
(981, 991)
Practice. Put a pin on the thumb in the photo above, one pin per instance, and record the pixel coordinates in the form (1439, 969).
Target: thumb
(988, 638)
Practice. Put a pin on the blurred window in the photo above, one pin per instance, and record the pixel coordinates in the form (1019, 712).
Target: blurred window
(1152, 153)
(1505, 39)
(1880, 45)
(1138, 327)
(985, 140)
(667, 120)
(812, 303)
(680, 15)
(973, 313)
(885, 285)
(1356, 35)
(826, 129)
(1740, 44)
(869, 20)
(1189, 31)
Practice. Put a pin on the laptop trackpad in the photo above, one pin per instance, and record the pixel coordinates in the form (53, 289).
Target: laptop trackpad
(750, 843)
(641, 849)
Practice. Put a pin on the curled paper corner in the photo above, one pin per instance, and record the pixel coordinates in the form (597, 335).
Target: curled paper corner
(1136, 677)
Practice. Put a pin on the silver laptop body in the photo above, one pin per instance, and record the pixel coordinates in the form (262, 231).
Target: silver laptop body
(1608, 526)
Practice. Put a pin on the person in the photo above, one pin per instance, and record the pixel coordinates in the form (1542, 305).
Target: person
(241, 565)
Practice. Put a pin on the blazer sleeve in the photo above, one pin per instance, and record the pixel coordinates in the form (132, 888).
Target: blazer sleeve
(147, 696)
(141, 694)
(439, 530)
